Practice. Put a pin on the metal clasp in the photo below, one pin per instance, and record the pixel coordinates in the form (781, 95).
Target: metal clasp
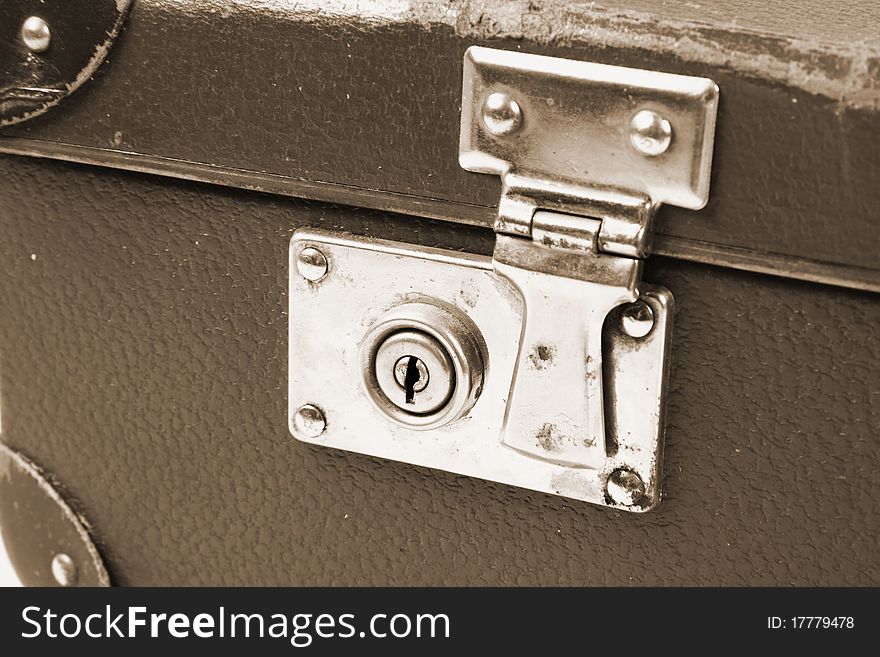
(586, 153)
(554, 343)
(555, 409)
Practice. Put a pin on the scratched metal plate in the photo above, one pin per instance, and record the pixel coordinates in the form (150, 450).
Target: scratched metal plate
(367, 277)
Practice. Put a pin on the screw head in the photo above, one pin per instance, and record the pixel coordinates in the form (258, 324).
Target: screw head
(309, 421)
(625, 487)
(35, 34)
(311, 264)
(501, 114)
(649, 133)
(64, 570)
(637, 319)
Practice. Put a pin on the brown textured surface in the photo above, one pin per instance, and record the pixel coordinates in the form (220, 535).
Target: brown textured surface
(360, 103)
(143, 352)
(814, 21)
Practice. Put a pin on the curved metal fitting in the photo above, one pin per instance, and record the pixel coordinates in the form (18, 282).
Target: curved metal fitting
(47, 542)
(59, 45)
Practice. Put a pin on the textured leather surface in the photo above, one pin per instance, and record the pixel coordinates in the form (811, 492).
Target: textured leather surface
(361, 105)
(143, 365)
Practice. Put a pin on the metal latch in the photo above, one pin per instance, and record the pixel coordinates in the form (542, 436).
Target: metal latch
(586, 153)
(546, 365)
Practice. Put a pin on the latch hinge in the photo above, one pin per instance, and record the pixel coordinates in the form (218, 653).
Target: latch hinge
(586, 139)
(625, 217)
(586, 153)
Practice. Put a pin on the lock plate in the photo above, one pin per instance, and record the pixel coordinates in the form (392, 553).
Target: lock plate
(366, 278)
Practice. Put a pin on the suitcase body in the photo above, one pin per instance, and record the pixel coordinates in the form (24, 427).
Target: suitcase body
(146, 227)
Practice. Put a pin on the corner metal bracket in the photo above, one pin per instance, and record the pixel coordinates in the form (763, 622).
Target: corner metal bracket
(48, 543)
(50, 48)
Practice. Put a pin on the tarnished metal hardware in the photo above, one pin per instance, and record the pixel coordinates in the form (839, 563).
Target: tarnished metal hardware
(335, 322)
(598, 149)
(57, 46)
(64, 570)
(568, 294)
(423, 363)
(48, 543)
(594, 141)
(308, 421)
(311, 265)
(36, 35)
(545, 366)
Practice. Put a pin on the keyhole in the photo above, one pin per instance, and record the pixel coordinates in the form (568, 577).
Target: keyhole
(411, 379)
(411, 374)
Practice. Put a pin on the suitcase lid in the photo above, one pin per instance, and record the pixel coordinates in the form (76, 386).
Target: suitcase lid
(360, 103)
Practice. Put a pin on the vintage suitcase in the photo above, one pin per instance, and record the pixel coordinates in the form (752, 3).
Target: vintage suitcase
(364, 293)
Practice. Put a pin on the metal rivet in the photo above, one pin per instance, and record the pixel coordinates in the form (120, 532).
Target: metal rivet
(311, 264)
(309, 421)
(649, 133)
(35, 34)
(64, 570)
(637, 319)
(501, 114)
(625, 487)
